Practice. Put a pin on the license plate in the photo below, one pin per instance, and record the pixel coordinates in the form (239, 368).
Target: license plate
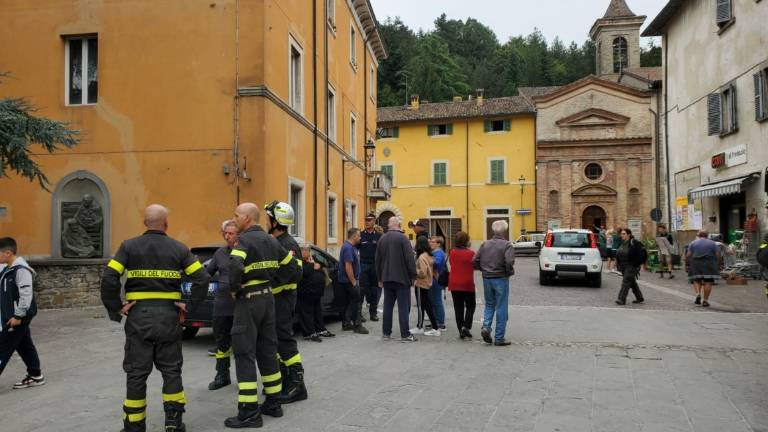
(570, 257)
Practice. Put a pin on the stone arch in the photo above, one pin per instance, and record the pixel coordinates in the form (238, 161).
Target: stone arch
(387, 210)
(71, 189)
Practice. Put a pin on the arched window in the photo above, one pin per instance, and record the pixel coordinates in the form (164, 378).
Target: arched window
(554, 203)
(81, 225)
(620, 57)
(634, 202)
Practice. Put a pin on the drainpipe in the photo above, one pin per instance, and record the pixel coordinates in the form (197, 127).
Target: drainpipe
(314, 120)
(236, 108)
(657, 151)
(365, 124)
(666, 127)
(467, 168)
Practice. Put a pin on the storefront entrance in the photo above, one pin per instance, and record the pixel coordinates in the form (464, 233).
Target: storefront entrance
(733, 213)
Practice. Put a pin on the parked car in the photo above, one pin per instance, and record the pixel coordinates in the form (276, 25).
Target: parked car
(203, 314)
(570, 252)
(529, 243)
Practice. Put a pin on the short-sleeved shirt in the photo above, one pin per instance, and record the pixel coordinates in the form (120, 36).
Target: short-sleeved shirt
(703, 247)
(349, 254)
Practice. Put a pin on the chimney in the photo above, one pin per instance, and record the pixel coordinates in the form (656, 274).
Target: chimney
(415, 102)
(480, 93)
(457, 98)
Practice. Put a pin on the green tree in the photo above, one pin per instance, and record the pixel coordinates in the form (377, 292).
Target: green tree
(650, 56)
(401, 42)
(435, 74)
(20, 130)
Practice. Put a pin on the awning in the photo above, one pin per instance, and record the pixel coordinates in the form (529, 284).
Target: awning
(727, 187)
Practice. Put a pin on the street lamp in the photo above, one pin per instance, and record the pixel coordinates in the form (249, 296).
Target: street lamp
(370, 151)
(522, 213)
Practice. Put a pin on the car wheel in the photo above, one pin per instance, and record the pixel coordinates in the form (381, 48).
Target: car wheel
(544, 278)
(189, 332)
(596, 280)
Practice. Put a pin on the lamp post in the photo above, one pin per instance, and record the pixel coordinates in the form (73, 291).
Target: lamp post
(522, 214)
(370, 151)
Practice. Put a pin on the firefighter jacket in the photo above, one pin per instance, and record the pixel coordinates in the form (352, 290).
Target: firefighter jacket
(288, 278)
(153, 265)
(257, 261)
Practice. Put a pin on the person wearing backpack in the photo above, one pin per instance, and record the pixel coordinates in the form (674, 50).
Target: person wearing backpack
(630, 256)
(17, 308)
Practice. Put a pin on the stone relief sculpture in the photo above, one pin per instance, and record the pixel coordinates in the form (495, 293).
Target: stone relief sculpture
(82, 228)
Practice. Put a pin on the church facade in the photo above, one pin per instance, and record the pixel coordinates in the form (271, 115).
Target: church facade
(596, 138)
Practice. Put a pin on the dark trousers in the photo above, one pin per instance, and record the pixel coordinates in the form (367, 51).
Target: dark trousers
(254, 340)
(352, 309)
(396, 292)
(285, 308)
(310, 311)
(19, 340)
(369, 287)
(152, 338)
(464, 304)
(424, 305)
(222, 333)
(629, 281)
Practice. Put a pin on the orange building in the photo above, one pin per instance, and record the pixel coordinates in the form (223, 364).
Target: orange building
(195, 105)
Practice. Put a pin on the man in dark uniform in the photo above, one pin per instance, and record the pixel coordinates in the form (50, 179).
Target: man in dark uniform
(369, 282)
(223, 306)
(153, 264)
(281, 216)
(420, 228)
(255, 263)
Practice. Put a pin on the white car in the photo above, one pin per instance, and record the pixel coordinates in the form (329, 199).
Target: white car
(529, 243)
(570, 252)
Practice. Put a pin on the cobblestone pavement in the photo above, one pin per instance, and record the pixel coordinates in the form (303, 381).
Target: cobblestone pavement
(585, 366)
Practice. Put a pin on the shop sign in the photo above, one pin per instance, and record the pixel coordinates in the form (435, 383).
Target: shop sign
(731, 157)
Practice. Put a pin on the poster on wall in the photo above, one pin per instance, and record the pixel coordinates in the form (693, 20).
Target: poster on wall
(636, 225)
(681, 213)
(553, 224)
(696, 219)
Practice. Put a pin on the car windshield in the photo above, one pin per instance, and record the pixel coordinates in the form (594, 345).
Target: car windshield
(570, 239)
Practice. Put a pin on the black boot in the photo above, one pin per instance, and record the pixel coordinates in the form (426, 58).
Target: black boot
(248, 416)
(173, 412)
(222, 375)
(271, 406)
(293, 385)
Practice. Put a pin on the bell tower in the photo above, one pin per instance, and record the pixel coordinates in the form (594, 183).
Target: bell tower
(617, 40)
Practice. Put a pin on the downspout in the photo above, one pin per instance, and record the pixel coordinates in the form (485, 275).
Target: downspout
(535, 170)
(327, 121)
(314, 120)
(657, 150)
(365, 125)
(467, 173)
(665, 84)
(236, 108)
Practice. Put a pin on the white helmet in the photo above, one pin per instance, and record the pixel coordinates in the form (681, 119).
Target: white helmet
(280, 212)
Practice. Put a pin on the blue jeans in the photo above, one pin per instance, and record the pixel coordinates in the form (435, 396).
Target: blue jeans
(436, 298)
(496, 302)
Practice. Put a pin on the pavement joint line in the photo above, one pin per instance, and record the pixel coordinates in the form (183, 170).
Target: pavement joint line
(627, 309)
(679, 294)
(692, 348)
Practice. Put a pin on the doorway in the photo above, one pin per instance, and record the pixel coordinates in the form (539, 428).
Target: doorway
(593, 216)
(733, 213)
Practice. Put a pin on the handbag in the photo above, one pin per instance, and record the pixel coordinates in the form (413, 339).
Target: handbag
(443, 277)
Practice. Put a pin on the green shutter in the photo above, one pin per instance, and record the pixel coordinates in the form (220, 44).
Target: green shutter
(395, 132)
(430, 130)
(507, 125)
(449, 129)
(488, 126)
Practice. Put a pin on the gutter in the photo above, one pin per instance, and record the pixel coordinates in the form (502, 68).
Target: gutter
(314, 121)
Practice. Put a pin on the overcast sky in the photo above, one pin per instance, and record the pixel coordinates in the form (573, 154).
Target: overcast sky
(568, 19)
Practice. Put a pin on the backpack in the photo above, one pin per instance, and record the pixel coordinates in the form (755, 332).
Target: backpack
(762, 255)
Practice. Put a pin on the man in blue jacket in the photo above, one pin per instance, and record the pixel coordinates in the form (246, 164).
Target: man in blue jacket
(17, 308)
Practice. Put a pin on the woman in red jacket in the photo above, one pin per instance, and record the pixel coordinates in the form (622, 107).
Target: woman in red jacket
(461, 283)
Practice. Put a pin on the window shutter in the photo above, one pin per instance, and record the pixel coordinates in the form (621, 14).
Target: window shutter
(430, 130)
(507, 125)
(723, 11)
(734, 110)
(395, 132)
(488, 126)
(714, 114)
(759, 106)
(449, 128)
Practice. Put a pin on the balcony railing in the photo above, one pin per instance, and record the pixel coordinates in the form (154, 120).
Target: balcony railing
(379, 185)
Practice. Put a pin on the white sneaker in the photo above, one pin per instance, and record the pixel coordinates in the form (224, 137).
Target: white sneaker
(417, 331)
(432, 333)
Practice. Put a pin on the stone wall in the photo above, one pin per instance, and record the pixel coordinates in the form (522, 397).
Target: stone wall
(64, 283)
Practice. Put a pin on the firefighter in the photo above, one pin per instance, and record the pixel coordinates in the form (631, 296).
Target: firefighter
(153, 265)
(281, 216)
(254, 264)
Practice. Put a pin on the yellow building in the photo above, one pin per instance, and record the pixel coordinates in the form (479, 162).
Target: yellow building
(195, 105)
(460, 165)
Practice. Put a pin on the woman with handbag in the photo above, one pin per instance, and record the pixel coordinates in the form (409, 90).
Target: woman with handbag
(461, 284)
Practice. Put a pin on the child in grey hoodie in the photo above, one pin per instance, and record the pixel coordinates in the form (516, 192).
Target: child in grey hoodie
(17, 308)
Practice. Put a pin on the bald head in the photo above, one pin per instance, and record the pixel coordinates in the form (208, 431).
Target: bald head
(156, 217)
(246, 215)
(393, 223)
